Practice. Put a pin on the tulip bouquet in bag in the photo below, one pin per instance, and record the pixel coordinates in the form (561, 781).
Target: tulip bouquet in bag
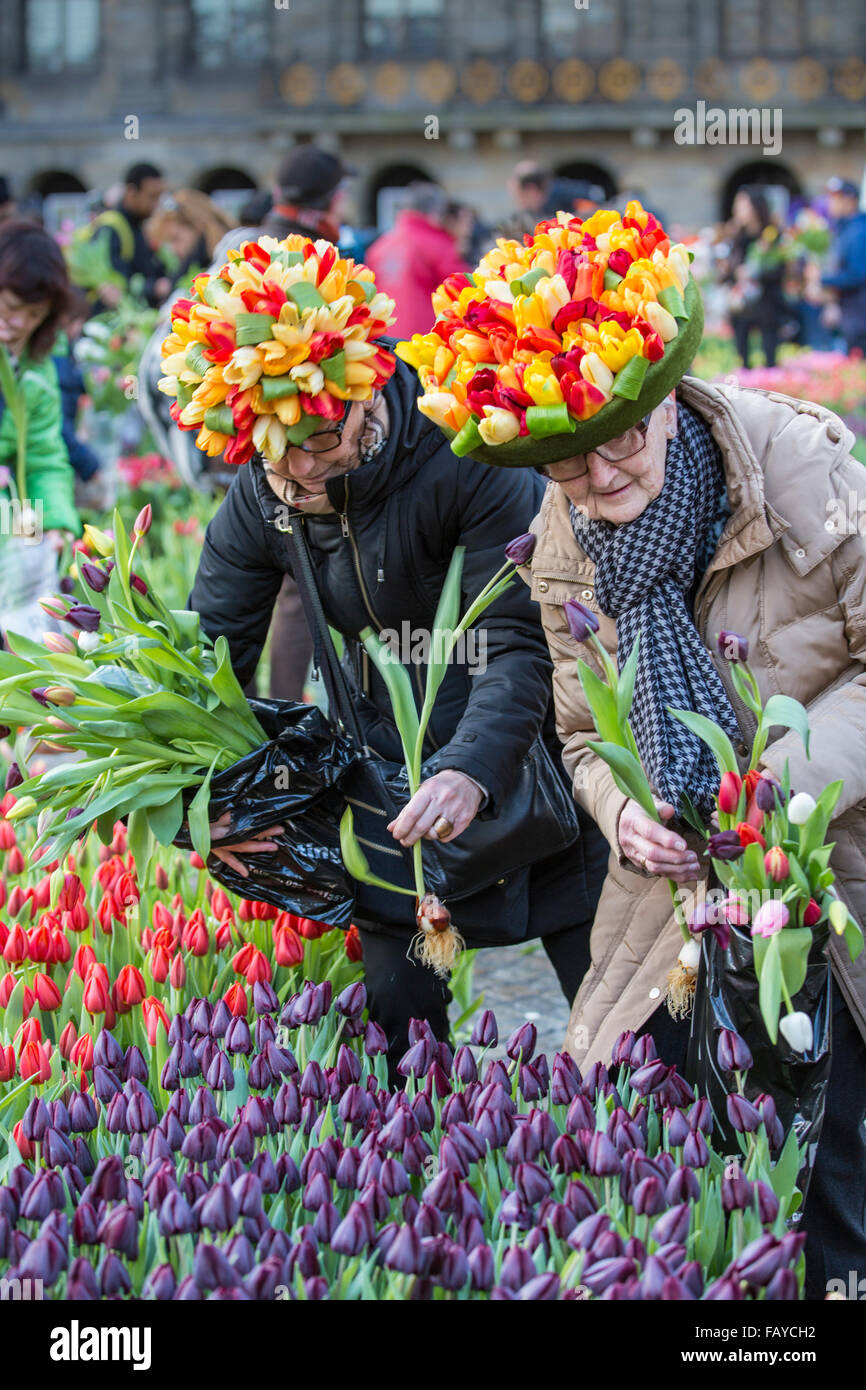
(765, 931)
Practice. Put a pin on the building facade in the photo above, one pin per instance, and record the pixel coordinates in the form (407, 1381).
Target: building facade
(215, 91)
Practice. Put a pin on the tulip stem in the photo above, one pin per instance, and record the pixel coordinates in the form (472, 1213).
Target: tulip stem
(678, 912)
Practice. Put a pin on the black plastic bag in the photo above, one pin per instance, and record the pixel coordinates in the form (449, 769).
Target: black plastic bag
(727, 997)
(294, 781)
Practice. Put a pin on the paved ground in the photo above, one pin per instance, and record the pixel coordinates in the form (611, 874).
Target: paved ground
(519, 984)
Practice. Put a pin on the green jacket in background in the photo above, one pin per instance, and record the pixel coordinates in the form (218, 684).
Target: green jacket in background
(50, 477)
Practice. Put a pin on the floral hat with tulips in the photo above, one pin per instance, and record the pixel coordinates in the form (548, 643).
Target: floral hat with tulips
(278, 340)
(556, 345)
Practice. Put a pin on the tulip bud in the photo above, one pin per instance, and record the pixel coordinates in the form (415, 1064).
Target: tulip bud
(742, 1114)
(732, 1053)
(581, 620)
(770, 918)
(83, 617)
(776, 864)
(800, 808)
(143, 520)
(729, 792)
(519, 551)
(768, 794)
(725, 845)
(94, 577)
(732, 646)
(838, 914)
(796, 1029)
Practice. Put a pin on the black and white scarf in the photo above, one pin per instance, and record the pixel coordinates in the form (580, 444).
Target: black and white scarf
(646, 572)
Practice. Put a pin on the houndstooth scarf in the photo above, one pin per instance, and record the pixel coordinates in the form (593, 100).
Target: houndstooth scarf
(646, 572)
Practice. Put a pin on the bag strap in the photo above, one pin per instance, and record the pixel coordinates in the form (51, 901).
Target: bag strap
(340, 704)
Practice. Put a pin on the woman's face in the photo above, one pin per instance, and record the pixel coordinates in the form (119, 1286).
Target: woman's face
(19, 320)
(181, 239)
(313, 470)
(619, 492)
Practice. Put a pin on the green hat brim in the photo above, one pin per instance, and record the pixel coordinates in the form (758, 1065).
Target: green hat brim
(618, 415)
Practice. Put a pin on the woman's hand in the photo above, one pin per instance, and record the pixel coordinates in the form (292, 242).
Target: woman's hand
(257, 844)
(449, 794)
(654, 849)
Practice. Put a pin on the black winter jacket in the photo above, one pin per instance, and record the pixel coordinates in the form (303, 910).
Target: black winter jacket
(380, 562)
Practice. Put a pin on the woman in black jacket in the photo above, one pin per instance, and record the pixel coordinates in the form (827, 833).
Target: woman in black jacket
(386, 502)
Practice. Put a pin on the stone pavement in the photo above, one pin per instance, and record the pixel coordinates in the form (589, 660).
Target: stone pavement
(519, 984)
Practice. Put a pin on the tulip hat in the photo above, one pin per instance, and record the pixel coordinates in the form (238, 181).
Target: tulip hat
(261, 353)
(556, 345)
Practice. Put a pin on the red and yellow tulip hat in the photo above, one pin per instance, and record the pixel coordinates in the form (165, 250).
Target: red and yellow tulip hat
(556, 345)
(273, 344)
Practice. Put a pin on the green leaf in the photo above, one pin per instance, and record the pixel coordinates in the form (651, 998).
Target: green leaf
(794, 946)
(711, 734)
(814, 832)
(602, 702)
(768, 967)
(795, 869)
(356, 861)
(790, 714)
(165, 821)
(396, 678)
(783, 1175)
(628, 775)
(625, 684)
(140, 842)
(197, 816)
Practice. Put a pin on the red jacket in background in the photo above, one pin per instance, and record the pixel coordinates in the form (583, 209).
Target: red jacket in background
(409, 262)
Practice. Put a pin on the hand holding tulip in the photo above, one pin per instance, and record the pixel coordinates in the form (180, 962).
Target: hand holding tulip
(256, 844)
(449, 794)
(648, 845)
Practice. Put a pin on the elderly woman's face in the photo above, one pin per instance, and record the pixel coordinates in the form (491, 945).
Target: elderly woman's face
(619, 491)
(326, 454)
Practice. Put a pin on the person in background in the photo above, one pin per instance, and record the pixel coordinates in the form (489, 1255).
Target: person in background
(755, 274)
(846, 279)
(189, 226)
(84, 460)
(415, 256)
(255, 207)
(34, 296)
(123, 229)
(471, 235)
(529, 190)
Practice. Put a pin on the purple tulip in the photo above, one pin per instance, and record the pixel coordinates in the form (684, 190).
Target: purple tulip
(682, 1186)
(519, 551)
(725, 845)
(119, 1231)
(160, 1284)
(14, 777)
(543, 1288)
(211, 1269)
(648, 1198)
(760, 1260)
(352, 1234)
(485, 1032)
(604, 1273)
(521, 1044)
(744, 1117)
(581, 620)
(94, 577)
(531, 1183)
(406, 1253)
(352, 1001)
(732, 646)
(650, 1077)
(768, 794)
(81, 1282)
(673, 1225)
(732, 1053)
(375, 1041)
(83, 617)
(695, 1151)
(783, 1287)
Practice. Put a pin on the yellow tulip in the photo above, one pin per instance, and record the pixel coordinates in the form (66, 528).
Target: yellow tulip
(357, 374)
(287, 409)
(269, 437)
(243, 368)
(174, 363)
(167, 385)
(210, 392)
(600, 221)
(541, 384)
(498, 426)
(554, 295)
(193, 413)
(594, 370)
(309, 376)
(436, 405)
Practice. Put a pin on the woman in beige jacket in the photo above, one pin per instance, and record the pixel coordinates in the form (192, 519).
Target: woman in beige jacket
(767, 543)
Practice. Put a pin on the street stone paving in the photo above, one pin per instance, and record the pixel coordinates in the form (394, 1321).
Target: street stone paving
(519, 984)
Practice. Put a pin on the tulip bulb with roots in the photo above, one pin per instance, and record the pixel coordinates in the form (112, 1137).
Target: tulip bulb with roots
(437, 943)
(683, 979)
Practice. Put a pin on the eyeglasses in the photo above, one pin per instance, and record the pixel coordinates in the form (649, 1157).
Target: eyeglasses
(323, 441)
(613, 451)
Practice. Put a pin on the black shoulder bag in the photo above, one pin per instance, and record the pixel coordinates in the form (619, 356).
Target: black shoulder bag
(537, 820)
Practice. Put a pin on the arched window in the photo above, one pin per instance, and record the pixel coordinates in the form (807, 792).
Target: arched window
(384, 190)
(589, 174)
(228, 186)
(778, 182)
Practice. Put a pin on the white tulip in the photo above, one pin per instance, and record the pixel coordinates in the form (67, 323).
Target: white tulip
(796, 1029)
(88, 641)
(800, 808)
(690, 957)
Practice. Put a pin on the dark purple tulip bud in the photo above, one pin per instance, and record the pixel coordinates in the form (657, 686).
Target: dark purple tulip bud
(580, 1115)
(695, 1151)
(14, 777)
(194, 1186)
(317, 1191)
(515, 1212)
(768, 794)
(596, 1078)
(35, 1120)
(441, 1192)
(532, 1183)
(200, 1144)
(648, 1198)
(175, 1216)
(85, 1225)
(44, 1258)
(179, 1030)
(403, 1126)
(609, 1246)
(497, 1075)
(732, 1052)
(517, 1269)
(783, 1287)
(347, 1170)
(40, 1199)
(724, 1290)
(347, 1068)
(438, 1080)
(220, 1019)
(57, 1150)
(623, 1048)
(494, 1127)
(220, 1076)
(81, 1282)
(419, 1028)
(38, 694)
(682, 1186)
(701, 1116)
(188, 1290)
(545, 1127)
(134, 1066)
(160, 1284)
(649, 1078)
(406, 1253)
(768, 1203)
(429, 1222)
(352, 1001)
(579, 1199)
(568, 1156)
(326, 1221)
(83, 617)
(732, 646)
(394, 1178)
(466, 1136)
(455, 1110)
(107, 1051)
(119, 1231)
(374, 1200)
(136, 582)
(673, 1225)
(529, 1084)
(521, 1044)
(314, 1085)
(524, 1145)
(83, 1158)
(772, 1123)
(422, 1109)
(350, 1237)
(94, 577)
(678, 1128)
(481, 1268)
(238, 1038)
(743, 1116)
(501, 1295)
(604, 1273)
(676, 1092)
(588, 1230)
(259, 1077)
(760, 1260)
(452, 1157)
(725, 845)
(265, 1000)
(375, 1041)
(453, 1269)
(581, 620)
(141, 1113)
(211, 1269)
(565, 1081)
(643, 1051)
(602, 1159)
(519, 551)
(287, 1104)
(543, 1288)
(485, 1032)
(464, 1067)
(736, 1193)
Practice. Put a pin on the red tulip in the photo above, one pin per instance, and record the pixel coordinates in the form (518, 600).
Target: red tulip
(354, 949)
(15, 950)
(143, 520)
(68, 1039)
(160, 964)
(154, 1014)
(196, 861)
(729, 792)
(15, 864)
(311, 930)
(177, 974)
(220, 904)
(61, 950)
(241, 960)
(7, 1062)
(47, 994)
(85, 957)
(34, 1063)
(811, 913)
(25, 1148)
(258, 969)
(160, 916)
(96, 1000)
(81, 1054)
(748, 835)
(288, 947)
(160, 878)
(224, 934)
(39, 943)
(29, 1031)
(131, 988)
(776, 864)
(7, 984)
(196, 938)
(235, 999)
